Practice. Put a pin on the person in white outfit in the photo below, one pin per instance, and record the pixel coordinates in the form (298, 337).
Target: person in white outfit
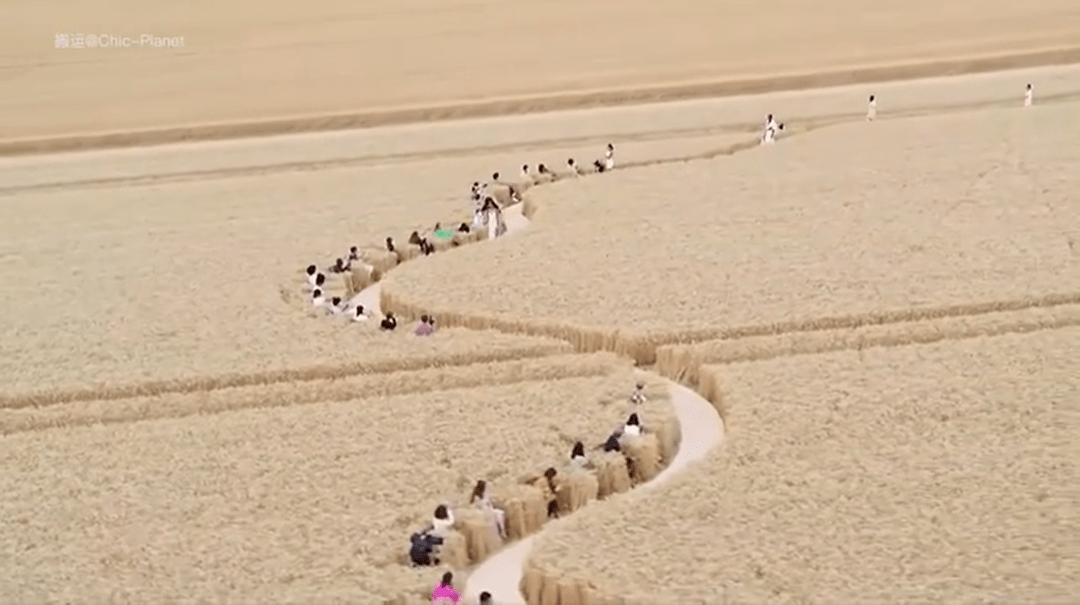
(1029, 96)
(442, 521)
(871, 109)
(312, 272)
(573, 167)
(638, 396)
(632, 428)
(482, 500)
(318, 301)
(577, 456)
(525, 176)
(609, 157)
(359, 314)
(771, 128)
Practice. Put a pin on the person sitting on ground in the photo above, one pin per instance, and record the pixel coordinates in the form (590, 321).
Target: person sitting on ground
(482, 500)
(390, 244)
(609, 157)
(489, 205)
(424, 328)
(442, 521)
(443, 233)
(423, 549)
(573, 167)
(598, 166)
(317, 299)
(612, 443)
(354, 255)
(578, 458)
(485, 598)
(632, 428)
(427, 247)
(359, 314)
(388, 322)
(335, 306)
(638, 396)
(553, 503)
(414, 238)
(463, 228)
(339, 266)
(444, 593)
(312, 273)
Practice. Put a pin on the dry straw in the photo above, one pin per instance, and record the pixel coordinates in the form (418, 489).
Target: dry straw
(334, 486)
(381, 353)
(622, 269)
(177, 405)
(941, 460)
(685, 363)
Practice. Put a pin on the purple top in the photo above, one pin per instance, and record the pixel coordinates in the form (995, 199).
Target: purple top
(424, 329)
(445, 591)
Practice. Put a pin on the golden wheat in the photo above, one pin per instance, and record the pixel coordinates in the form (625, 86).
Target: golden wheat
(289, 503)
(365, 350)
(278, 394)
(875, 476)
(684, 362)
(929, 217)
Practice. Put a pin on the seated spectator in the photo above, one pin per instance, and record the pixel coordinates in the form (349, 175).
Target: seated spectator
(442, 521)
(444, 593)
(480, 499)
(389, 322)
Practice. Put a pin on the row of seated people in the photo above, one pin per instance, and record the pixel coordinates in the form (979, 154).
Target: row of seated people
(468, 535)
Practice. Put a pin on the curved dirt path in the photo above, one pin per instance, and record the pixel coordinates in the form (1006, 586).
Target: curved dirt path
(700, 427)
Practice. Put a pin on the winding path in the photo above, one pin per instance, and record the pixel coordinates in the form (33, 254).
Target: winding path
(699, 423)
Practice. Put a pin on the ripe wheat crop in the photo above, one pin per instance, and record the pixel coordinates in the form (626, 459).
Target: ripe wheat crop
(928, 216)
(872, 476)
(286, 504)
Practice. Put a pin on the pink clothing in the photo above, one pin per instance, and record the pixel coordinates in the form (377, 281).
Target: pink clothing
(424, 329)
(444, 593)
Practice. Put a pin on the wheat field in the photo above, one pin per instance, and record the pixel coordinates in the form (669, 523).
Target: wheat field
(926, 473)
(288, 504)
(913, 216)
(177, 426)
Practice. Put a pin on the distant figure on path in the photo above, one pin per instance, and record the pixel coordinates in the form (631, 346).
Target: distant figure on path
(317, 298)
(871, 109)
(354, 255)
(1029, 96)
(609, 157)
(444, 593)
(359, 314)
(335, 306)
(390, 244)
(771, 128)
(389, 322)
(638, 396)
(312, 273)
(633, 426)
(525, 176)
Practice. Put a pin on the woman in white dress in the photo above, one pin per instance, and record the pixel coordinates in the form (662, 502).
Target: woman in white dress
(609, 157)
(442, 521)
(871, 109)
(481, 500)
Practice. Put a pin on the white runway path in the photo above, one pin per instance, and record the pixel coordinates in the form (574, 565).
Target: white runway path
(701, 430)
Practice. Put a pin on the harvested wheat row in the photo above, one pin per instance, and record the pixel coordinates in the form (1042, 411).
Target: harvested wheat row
(956, 237)
(382, 352)
(177, 405)
(682, 363)
(880, 475)
(325, 494)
